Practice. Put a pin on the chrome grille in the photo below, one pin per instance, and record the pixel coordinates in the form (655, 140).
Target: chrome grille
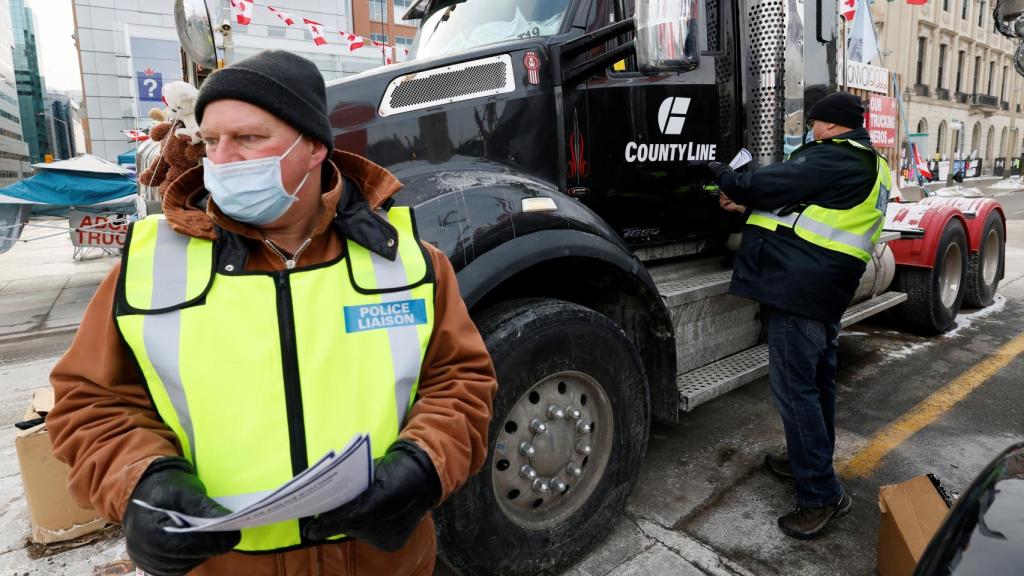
(475, 79)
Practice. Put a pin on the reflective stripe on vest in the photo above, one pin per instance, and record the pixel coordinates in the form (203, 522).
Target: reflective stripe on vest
(854, 231)
(211, 350)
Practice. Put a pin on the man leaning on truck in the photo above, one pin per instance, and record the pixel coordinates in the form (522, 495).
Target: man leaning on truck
(231, 349)
(812, 224)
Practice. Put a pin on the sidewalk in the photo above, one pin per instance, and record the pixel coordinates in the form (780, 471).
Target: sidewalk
(43, 290)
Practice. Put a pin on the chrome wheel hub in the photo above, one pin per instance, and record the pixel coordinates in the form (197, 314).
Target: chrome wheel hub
(952, 270)
(990, 260)
(552, 450)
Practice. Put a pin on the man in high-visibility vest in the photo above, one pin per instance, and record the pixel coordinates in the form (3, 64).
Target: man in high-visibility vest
(279, 307)
(812, 223)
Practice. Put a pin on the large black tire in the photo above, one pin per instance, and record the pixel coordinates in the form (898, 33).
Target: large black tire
(932, 305)
(535, 344)
(985, 268)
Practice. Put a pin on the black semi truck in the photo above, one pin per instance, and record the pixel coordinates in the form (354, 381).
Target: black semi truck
(551, 149)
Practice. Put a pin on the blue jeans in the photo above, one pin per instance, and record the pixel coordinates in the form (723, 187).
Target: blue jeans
(802, 353)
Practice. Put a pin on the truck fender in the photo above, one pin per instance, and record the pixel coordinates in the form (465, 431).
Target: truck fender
(975, 211)
(655, 338)
(476, 214)
(470, 210)
(924, 224)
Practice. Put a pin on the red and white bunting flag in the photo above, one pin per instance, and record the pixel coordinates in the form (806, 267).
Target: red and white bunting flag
(284, 16)
(241, 11)
(848, 8)
(317, 30)
(384, 50)
(354, 42)
(136, 135)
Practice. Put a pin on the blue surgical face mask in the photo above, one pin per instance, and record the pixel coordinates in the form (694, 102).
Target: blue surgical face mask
(809, 137)
(251, 191)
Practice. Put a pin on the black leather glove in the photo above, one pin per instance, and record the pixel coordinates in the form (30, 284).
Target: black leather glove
(405, 487)
(717, 169)
(171, 483)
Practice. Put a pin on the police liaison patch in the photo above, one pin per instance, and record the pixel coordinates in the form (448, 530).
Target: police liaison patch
(385, 315)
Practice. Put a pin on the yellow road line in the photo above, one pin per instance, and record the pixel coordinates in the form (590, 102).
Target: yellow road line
(864, 462)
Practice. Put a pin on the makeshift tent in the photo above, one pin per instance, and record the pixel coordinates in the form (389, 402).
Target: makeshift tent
(84, 163)
(57, 188)
(84, 184)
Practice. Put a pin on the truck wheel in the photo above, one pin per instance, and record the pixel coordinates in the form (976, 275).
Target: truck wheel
(985, 269)
(934, 295)
(569, 431)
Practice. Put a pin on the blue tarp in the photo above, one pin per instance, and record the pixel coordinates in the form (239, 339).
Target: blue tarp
(126, 158)
(67, 188)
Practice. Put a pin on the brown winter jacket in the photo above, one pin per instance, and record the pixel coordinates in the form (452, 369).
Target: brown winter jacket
(105, 427)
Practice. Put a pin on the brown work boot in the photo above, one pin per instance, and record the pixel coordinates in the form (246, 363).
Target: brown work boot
(806, 523)
(778, 465)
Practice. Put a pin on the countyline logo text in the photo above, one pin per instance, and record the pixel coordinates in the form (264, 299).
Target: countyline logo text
(636, 152)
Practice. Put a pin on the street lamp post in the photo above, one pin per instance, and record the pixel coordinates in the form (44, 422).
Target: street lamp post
(67, 130)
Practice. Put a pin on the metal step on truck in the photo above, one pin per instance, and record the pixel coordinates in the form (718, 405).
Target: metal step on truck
(548, 147)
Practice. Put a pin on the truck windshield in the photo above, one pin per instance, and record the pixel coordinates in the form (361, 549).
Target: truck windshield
(455, 25)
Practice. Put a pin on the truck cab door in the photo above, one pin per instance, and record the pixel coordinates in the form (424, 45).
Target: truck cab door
(634, 154)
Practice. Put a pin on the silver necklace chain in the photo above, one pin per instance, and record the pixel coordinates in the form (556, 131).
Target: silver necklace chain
(289, 263)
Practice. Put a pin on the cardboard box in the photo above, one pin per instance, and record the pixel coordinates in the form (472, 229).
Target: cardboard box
(54, 514)
(912, 513)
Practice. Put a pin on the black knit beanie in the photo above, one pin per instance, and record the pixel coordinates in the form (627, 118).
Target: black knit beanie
(284, 84)
(839, 108)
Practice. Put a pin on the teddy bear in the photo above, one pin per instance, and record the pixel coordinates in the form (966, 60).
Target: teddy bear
(177, 132)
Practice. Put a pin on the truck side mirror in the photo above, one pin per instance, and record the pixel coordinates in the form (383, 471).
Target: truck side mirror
(192, 19)
(667, 38)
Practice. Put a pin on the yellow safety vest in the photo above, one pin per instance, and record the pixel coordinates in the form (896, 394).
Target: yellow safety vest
(261, 374)
(853, 231)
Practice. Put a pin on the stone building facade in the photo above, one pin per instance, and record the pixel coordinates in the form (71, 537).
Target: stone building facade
(961, 88)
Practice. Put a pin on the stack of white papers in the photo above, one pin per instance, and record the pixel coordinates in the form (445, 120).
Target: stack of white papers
(335, 479)
(742, 158)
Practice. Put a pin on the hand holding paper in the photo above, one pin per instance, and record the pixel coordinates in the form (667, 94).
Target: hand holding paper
(406, 486)
(332, 481)
(171, 483)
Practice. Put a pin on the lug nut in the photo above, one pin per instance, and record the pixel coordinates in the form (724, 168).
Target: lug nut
(574, 470)
(559, 486)
(582, 427)
(527, 472)
(555, 412)
(541, 485)
(538, 427)
(526, 449)
(573, 414)
(583, 448)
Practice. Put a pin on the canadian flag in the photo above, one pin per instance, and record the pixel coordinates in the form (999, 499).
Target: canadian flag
(241, 11)
(284, 16)
(317, 30)
(354, 42)
(848, 8)
(922, 166)
(136, 135)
